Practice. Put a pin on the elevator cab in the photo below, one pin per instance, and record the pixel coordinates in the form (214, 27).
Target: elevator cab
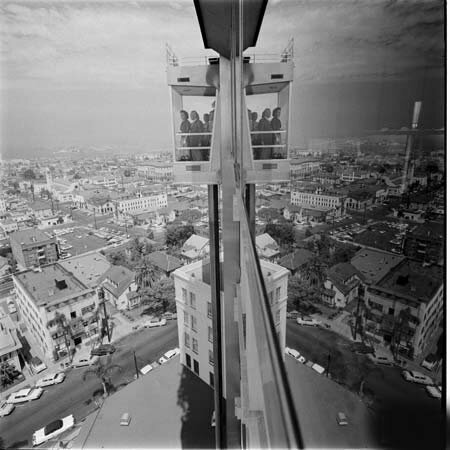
(194, 85)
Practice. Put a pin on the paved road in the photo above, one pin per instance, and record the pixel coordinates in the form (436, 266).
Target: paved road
(407, 416)
(74, 395)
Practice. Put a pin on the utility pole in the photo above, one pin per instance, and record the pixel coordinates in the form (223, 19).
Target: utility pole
(135, 365)
(328, 364)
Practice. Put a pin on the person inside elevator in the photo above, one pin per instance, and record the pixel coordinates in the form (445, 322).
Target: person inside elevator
(185, 127)
(265, 138)
(275, 124)
(195, 140)
(206, 138)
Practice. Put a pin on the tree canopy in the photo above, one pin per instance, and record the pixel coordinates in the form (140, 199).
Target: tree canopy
(29, 174)
(159, 297)
(178, 235)
(283, 233)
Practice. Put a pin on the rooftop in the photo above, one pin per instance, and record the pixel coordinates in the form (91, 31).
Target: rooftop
(9, 341)
(187, 403)
(163, 261)
(413, 280)
(117, 279)
(88, 267)
(296, 259)
(30, 236)
(49, 284)
(375, 264)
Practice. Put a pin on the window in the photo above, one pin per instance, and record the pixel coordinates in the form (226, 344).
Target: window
(211, 357)
(192, 300)
(186, 318)
(277, 317)
(391, 311)
(184, 295)
(73, 315)
(210, 310)
(278, 294)
(271, 298)
(193, 323)
(211, 379)
(196, 367)
(188, 360)
(210, 334)
(194, 345)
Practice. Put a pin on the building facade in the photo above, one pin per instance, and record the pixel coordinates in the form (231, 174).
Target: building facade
(317, 197)
(141, 202)
(33, 248)
(194, 312)
(44, 294)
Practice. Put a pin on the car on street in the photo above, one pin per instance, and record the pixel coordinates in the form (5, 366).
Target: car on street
(416, 377)
(306, 321)
(37, 365)
(429, 362)
(52, 430)
(341, 419)
(83, 361)
(295, 354)
(51, 379)
(382, 360)
(169, 316)
(155, 322)
(434, 391)
(104, 349)
(25, 395)
(6, 409)
(169, 355)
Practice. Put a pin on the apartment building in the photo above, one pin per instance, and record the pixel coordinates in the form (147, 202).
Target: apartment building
(301, 168)
(32, 247)
(49, 291)
(9, 342)
(194, 312)
(405, 307)
(157, 171)
(140, 202)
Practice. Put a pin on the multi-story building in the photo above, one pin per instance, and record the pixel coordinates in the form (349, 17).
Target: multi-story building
(10, 344)
(140, 202)
(425, 242)
(32, 247)
(301, 168)
(49, 292)
(2, 205)
(405, 307)
(157, 171)
(194, 312)
(323, 198)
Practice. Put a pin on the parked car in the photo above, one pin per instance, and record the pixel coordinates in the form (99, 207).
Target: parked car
(295, 354)
(84, 361)
(104, 349)
(51, 379)
(37, 365)
(168, 355)
(25, 395)
(383, 360)
(52, 430)
(125, 419)
(155, 322)
(430, 362)
(416, 377)
(169, 316)
(6, 409)
(434, 391)
(341, 419)
(308, 322)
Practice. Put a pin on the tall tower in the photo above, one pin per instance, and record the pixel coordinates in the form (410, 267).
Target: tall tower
(253, 405)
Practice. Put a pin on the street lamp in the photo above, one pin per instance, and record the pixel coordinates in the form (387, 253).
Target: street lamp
(102, 301)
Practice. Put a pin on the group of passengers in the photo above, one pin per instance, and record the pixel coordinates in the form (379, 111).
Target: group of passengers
(195, 133)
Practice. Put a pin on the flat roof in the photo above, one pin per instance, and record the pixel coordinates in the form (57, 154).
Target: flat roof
(168, 406)
(88, 268)
(375, 264)
(411, 279)
(318, 400)
(42, 286)
(30, 236)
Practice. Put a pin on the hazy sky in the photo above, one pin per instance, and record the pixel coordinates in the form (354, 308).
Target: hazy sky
(93, 73)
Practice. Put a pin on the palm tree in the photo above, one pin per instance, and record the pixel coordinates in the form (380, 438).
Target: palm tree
(62, 327)
(103, 372)
(146, 274)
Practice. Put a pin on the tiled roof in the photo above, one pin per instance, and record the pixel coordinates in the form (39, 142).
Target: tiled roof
(296, 259)
(120, 276)
(163, 261)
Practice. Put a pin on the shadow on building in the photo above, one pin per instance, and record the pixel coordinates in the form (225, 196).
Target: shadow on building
(196, 399)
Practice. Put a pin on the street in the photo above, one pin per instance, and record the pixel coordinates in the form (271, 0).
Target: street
(75, 396)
